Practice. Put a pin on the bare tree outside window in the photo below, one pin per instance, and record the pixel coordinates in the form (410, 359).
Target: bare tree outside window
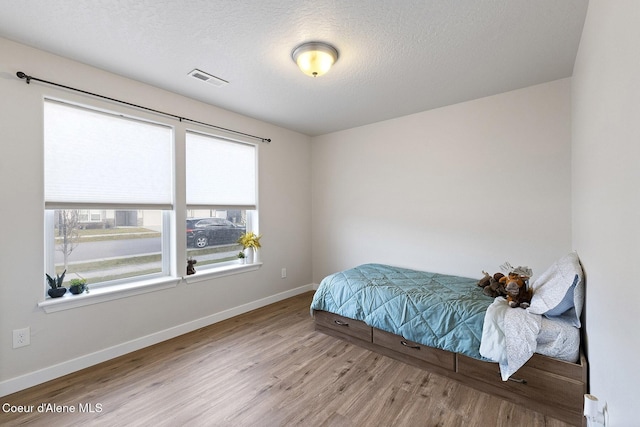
(68, 233)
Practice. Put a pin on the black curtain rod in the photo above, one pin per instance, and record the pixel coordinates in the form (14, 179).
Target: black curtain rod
(28, 79)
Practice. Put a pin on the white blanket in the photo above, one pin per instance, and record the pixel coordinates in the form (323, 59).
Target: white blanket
(509, 336)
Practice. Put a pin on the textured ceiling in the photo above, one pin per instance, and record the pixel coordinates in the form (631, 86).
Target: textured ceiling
(397, 57)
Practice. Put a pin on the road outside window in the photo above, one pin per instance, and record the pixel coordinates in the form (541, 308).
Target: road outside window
(106, 245)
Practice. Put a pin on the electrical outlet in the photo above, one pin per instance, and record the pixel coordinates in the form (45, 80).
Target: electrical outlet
(283, 273)
(21, 337)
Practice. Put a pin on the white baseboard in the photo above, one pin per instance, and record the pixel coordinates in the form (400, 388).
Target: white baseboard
(55, 371)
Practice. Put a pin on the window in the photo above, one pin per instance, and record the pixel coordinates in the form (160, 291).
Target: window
(221, 197)
(109, 201)
(107, 250)
(108, 195)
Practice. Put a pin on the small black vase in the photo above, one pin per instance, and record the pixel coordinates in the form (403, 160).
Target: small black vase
(77, 289)
(57, 292)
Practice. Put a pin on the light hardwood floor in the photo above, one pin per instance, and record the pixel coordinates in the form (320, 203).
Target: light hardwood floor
(264, 368)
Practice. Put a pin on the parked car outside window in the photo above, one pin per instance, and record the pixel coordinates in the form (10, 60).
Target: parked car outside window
(203, 232)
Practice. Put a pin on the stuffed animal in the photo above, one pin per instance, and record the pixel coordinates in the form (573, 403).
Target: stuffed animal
(517, 293)
(491, 285)
(190, 266)
(484, 282)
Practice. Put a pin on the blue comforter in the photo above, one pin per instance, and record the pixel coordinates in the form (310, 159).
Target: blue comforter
(432, 309)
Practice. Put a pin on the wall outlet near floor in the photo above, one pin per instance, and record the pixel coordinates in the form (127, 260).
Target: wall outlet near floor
(21, 337)
(283, 273)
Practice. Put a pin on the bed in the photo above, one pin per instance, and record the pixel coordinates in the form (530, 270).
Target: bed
(445, 324)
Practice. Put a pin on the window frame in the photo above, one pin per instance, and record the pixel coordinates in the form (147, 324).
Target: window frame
(174, 226)
(165, 242)
(252, 211)
(166, 209)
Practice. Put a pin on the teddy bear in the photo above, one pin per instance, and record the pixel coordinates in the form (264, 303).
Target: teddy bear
(518, 295)
(491, 285)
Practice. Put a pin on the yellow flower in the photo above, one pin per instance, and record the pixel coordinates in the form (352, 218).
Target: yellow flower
(250, 240)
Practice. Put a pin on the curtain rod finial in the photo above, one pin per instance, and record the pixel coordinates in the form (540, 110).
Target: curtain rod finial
(22, 75)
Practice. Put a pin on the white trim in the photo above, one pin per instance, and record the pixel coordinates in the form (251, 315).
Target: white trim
(46, 374)
(220, 271)
(107, 293)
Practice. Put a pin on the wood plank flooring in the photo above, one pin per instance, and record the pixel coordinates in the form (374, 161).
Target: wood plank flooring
(264, 368)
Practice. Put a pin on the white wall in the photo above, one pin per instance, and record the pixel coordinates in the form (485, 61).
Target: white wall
(453, 190)
(94, 332)
(606, 198)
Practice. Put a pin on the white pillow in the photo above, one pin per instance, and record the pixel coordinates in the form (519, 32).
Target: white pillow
(559, 291)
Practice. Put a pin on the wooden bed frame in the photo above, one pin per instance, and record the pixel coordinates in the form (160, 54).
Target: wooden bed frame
(550, 386)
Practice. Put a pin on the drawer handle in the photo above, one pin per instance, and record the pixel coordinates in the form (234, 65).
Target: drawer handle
(406, 344)
(517, 380)
(340, 323)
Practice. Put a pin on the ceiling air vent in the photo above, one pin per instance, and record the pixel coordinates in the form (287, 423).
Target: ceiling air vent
(206, 77)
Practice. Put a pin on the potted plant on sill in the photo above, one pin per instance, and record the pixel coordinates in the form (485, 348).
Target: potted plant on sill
(56, 289)
(250, 242)
(78, 286)
(241, 257)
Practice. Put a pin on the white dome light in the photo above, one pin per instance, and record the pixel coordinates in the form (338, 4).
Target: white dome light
(315, 58)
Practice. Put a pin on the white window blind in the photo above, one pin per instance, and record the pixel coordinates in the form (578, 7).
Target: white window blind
(220, 173)
(95, 158)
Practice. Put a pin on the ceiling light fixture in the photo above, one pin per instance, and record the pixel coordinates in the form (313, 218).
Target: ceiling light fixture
(315, 58)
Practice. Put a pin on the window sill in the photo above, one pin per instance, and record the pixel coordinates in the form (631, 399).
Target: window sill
(69, 301)
(221, 271)
(110, 293)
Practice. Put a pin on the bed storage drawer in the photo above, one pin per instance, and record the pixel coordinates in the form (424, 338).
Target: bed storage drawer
(561, 392)
(576, 371)
(343, 325)
(434, 356)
